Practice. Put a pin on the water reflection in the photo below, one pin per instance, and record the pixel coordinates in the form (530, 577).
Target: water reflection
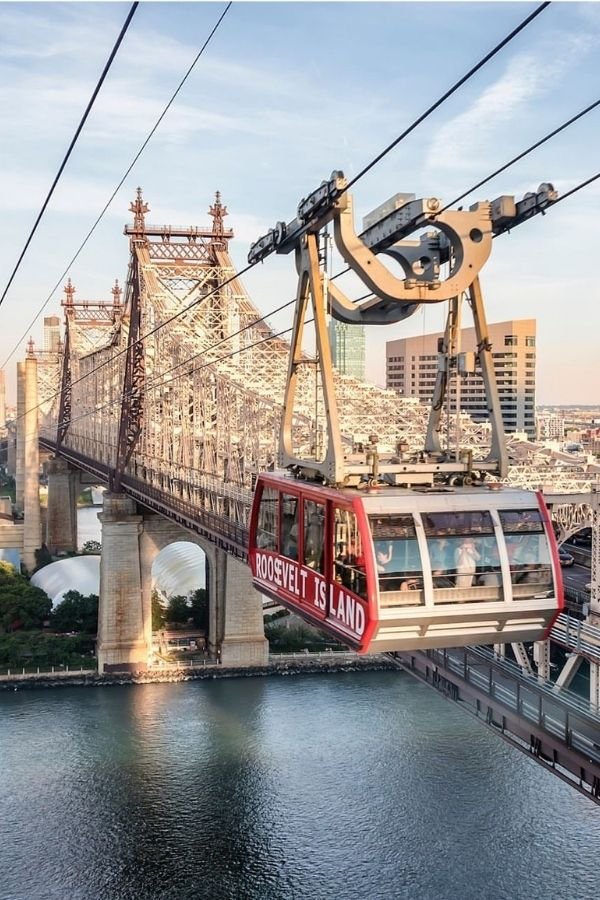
(351, 786)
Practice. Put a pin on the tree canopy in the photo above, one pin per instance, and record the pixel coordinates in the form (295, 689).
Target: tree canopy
(21, 604)
(76, 613)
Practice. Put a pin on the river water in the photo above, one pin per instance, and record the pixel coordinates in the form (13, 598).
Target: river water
(363, 786)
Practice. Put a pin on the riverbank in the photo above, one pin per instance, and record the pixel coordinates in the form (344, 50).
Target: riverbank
(287, 666)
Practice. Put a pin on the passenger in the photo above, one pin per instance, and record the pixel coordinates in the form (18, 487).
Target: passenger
(291, 544)
(490, 577)
(383, 557)
(466, 558)
(313, 542)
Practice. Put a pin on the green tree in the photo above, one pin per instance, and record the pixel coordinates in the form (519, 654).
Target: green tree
(21, 604)
(178, 610)
(76, 613)
(158, 612)
(92, 547)
(200, 609)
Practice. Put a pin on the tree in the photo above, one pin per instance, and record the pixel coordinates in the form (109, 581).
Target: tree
(200, 609)
(92, 547)
(158, 612)
(76, 613)
(21, 604)
(178, 610)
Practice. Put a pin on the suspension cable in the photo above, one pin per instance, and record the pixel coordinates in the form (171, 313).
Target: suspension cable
(482, 62)
(119, 185)
(78, 131)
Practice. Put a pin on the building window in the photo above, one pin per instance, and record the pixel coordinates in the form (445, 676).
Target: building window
(530, 341)
(510, 340)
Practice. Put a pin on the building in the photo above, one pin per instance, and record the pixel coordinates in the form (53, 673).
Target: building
(2, 400)
(52, 334)
(347, 344)
(550, 427)
(411, 369)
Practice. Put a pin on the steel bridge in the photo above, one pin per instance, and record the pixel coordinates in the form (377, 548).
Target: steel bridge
(171, 393)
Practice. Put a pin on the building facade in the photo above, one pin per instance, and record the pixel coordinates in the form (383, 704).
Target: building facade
(51, 334)
(347, 344)
(412, 363)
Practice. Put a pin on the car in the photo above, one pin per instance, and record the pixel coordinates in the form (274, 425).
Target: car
(566, 560)
(582, 538)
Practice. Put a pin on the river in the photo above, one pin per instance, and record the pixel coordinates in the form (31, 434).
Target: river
(363, 786)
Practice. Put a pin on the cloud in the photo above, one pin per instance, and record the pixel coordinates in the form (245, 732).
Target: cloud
(467, 141)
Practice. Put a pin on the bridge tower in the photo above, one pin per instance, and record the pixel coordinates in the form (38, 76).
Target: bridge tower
(28, 456)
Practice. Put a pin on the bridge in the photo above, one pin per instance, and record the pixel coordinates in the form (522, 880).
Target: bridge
(171, 393)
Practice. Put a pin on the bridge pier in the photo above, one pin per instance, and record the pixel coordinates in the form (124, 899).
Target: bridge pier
(130, 544)
(238, 614)
(20, 439)
(61, 520)
(28, 460)
(123, 616)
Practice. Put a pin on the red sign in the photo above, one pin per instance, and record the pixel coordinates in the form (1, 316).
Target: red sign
(308, 591)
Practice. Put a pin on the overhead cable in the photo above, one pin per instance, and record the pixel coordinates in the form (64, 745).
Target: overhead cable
(452, 90)
(119, 185)
(78, 131)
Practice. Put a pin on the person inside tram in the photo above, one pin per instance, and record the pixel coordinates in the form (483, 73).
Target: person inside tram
(290, 543)
(466, 557)
(313, 543)
(383, 556)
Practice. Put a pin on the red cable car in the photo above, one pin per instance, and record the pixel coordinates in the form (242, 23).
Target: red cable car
(407, 569)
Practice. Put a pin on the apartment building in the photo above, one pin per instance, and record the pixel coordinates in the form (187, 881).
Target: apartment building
(347, 344)
(412, 363)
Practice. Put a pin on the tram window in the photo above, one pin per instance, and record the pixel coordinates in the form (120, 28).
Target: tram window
(463, 550)
(314, 533)
(518, 520)
(349, 562)
(529, 561)
(288, 538)
(397, 556)
(266, 530)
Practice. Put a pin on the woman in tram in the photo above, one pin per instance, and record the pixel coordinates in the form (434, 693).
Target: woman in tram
(466, 558)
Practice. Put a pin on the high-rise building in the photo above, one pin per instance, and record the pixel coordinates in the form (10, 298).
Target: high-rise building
(52, 334)
(412, 363)
(2, 400)
(347, 344)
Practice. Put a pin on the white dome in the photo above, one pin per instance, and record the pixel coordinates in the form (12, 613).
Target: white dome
(78, 573)
(179, 569)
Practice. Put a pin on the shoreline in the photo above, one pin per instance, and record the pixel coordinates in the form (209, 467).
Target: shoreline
(176, 676)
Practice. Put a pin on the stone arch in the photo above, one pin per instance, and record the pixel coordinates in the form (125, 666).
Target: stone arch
(159, 533)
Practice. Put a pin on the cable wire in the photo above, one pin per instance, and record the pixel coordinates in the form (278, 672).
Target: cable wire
(452, 90)
(88, 109)
(524, 153)
(120, 184)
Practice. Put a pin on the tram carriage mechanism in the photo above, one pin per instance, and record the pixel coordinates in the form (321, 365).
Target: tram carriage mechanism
(417, 550)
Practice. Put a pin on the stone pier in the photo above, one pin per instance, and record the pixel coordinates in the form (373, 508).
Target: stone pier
(122, 620)
(20, 462)
(130, 544)
(28, 453)
(61, 519)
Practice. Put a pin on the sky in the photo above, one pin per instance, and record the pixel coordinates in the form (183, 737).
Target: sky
(284, 94)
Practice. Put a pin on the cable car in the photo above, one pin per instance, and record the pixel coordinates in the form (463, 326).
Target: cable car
(407, 568)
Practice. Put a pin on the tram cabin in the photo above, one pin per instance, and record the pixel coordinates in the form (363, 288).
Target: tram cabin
(407, 569)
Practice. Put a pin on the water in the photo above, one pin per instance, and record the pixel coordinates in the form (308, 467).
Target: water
(341, 787)
(88, 525)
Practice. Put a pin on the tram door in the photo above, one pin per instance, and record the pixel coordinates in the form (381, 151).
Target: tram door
(349, 560)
